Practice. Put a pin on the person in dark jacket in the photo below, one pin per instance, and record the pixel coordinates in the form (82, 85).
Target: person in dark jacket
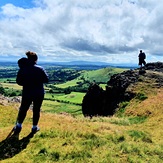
(142, 58)
(31, 77)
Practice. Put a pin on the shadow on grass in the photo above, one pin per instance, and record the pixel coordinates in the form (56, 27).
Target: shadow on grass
(12, 145)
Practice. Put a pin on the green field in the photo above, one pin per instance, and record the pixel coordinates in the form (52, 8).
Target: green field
(58, 107)
(59, 101)
(73, 97)
(11, 86)
(69, 83)
(101, 75)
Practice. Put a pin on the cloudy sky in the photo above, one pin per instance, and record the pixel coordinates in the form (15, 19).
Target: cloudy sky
(110, 31)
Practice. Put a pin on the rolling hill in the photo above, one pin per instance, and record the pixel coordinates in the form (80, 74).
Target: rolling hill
(101, 75)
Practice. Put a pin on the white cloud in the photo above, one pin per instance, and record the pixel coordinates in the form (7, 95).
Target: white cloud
(101, 30)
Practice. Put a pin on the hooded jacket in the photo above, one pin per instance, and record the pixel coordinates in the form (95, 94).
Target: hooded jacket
(31, 77)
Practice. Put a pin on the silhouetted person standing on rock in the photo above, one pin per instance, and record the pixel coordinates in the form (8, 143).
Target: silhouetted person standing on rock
(142, 58)
(31, 77)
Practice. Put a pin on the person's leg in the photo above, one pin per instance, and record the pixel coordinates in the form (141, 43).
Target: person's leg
(25, 103)
(140, 62)
(37, 102)
(144, 63)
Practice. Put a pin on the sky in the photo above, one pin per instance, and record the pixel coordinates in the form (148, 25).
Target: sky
(111, 31)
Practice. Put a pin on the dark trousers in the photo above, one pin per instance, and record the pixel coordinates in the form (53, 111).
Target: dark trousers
(25, 104)
(142, 61)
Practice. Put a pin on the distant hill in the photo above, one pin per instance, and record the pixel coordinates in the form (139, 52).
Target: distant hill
(79, 65)
(101, 75)
(91, 63)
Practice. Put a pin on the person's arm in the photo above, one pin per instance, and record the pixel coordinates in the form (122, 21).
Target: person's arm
(45, 76)
(19, 78)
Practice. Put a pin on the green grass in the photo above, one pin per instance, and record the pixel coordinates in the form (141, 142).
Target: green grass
(140, 136)
(67, 138)
(133, 136)
(8, 80)
(11, 86)
(127, 121)
(103, 86)
(73, 97)
(58, 107)
(141, 96)
(69, 83)
(53, 96)
(101, 75)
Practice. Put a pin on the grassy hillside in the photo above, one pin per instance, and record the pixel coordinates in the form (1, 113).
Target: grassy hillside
(70, 83)
(100, 75)
(59, 107)
(11, 86)
(133, 136)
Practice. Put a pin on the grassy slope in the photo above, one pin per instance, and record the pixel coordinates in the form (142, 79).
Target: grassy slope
(58, 107)
(68, 84)
(66, 139)
(100, 75)
(11, 85)
(73, 97)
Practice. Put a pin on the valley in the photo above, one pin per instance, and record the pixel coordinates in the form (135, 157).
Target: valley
(67, 84)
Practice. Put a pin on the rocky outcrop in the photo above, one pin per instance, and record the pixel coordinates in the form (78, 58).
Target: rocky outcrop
(155, 66)
(92, 104)
(105, 102)
(9, 100)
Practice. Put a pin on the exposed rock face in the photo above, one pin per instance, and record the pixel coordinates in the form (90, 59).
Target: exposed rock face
(156, 66)
(104, 102)
(93, 100)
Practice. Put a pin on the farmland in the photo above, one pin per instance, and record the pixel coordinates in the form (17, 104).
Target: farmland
(67, 84)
